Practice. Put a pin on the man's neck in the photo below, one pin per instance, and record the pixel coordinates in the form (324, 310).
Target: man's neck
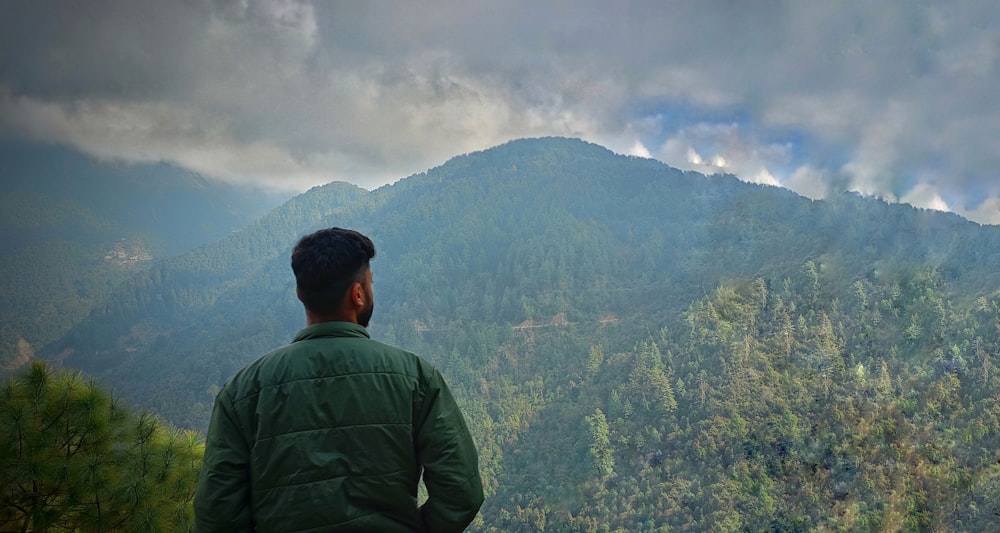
(315, 318)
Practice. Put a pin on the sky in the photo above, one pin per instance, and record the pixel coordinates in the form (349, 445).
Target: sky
(893, 99)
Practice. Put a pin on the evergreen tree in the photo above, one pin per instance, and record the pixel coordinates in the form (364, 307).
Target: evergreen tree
(71, 458)
(601, 451)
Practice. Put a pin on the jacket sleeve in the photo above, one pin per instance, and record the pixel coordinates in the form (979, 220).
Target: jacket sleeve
(451, 464)
(222, 497)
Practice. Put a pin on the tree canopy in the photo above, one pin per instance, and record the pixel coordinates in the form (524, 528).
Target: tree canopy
(73, 459)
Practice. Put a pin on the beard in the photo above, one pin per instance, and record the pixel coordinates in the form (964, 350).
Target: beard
(365, 315)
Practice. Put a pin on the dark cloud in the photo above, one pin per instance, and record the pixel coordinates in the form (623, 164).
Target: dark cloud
(894, 99)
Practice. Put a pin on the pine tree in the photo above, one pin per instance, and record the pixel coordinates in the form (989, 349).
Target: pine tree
(72, 458)
(601, 450)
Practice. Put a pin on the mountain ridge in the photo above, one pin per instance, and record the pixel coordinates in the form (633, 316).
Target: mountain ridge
(634, 346)
(72, 228)
(512, 220)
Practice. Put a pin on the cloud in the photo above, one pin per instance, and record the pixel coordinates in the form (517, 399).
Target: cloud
(141, 132)
(639, 150)
(724, 148)
(987, 212)
(925, 196)
(810, 182)
(819, 97)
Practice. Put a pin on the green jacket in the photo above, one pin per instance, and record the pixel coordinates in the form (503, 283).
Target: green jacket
(330, 433)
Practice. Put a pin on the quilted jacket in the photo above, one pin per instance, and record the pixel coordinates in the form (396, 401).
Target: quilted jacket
(332, 433)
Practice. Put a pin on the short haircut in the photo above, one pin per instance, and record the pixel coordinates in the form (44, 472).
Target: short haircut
(326, 263)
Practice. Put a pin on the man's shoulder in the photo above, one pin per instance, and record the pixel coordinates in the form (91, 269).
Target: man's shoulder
(304, 356)
(398, 357)
(247, 379)
(380, 346)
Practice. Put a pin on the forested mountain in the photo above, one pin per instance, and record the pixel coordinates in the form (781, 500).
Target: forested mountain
(71, 228)
(635, 347)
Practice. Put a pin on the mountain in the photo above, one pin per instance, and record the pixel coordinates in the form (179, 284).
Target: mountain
(634, 346)
(71, 228)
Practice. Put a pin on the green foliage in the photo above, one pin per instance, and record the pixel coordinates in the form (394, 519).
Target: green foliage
(48, 287)
(72, 229)
(635, 348)
(825, 426)
(72, 459)
(600, 444)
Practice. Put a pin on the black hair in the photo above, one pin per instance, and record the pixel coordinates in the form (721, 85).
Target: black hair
(326, 263)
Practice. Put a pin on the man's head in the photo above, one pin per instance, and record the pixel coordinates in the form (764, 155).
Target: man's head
(332, 275)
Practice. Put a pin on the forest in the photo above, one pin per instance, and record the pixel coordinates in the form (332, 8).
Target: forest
(635, 348)
(72, 229)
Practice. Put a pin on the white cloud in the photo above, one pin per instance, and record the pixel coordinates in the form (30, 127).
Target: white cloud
(730, 152)
(987, 212)
(810, 182)
(693, 157)
(876, 166)
(145, 132)
(638, 149)
(926, 196)
(764, 177)
(290, 91)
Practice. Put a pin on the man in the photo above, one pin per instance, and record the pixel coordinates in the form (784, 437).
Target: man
(330, 433)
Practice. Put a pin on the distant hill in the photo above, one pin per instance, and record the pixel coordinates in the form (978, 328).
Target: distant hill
(72, 227)
(635, 347)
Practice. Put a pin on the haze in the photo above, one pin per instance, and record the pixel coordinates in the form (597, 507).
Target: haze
(890, 99)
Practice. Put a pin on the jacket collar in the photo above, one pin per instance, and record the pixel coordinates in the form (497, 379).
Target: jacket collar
(332, 329)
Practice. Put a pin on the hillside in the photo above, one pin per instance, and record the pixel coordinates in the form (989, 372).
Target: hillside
(71, 228)
(636, 347)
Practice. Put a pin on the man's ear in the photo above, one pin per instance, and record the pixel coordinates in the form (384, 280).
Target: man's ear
(298, 293)
(357, 293)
